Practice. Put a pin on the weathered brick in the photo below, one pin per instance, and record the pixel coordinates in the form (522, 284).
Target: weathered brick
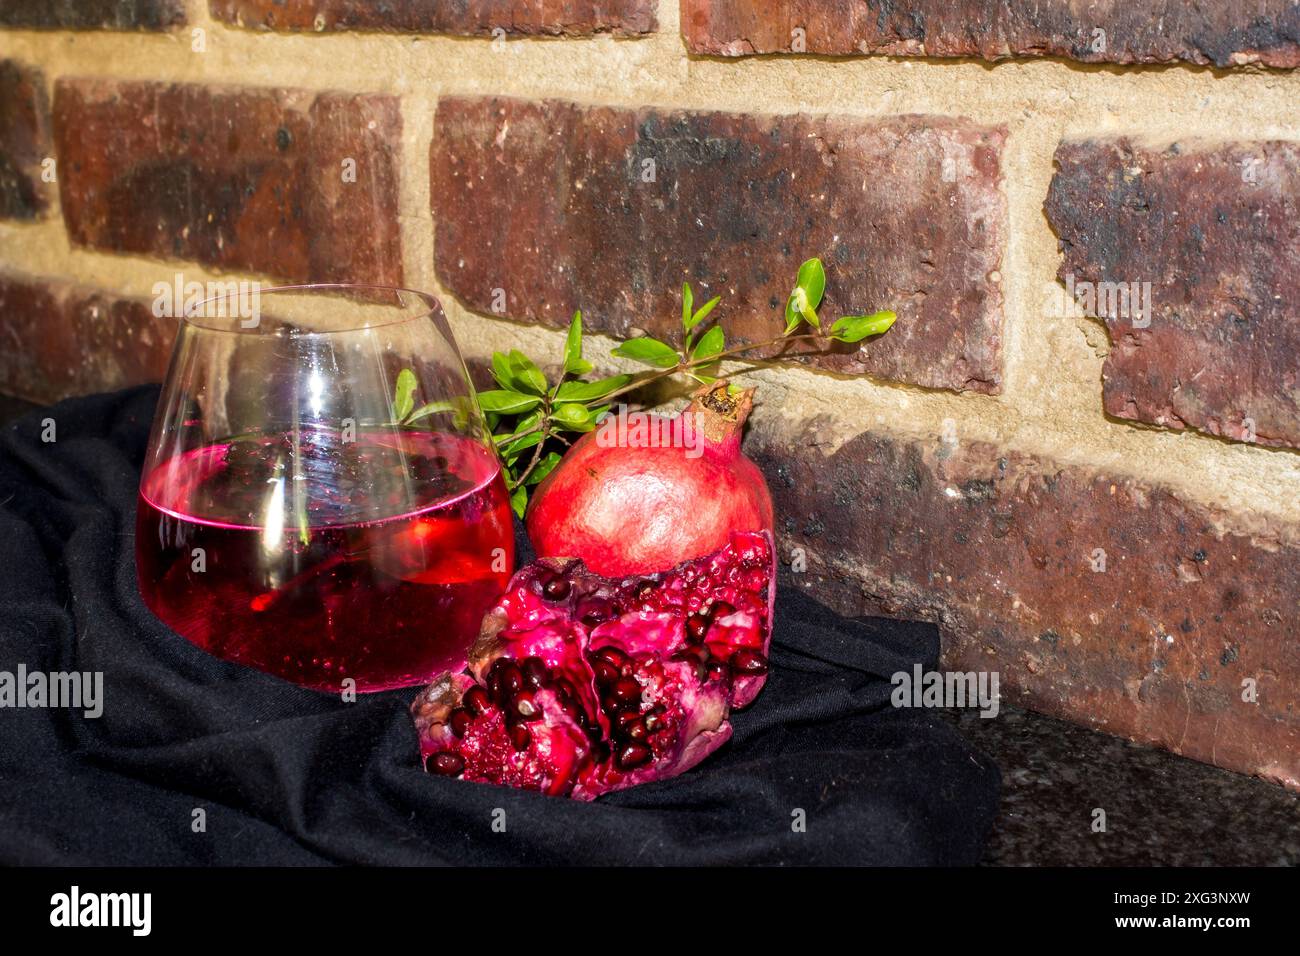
(58, 339)
(1222, 32)
(1213, 229)
(475, 18)
(93, 14)
(1000, 548)
(293, 184)
(549, 202)
(24, 140)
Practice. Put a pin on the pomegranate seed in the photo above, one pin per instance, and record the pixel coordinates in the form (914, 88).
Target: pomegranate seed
(520, 736)
(535, 672)
(745, 661)
(459, 721)
(557, 589)
(720, 609)
(510, 680)
(592, 620)
(626, 689)
(446, 763)
(697, 625)
(477, 701)
(693, 655)
(632, 755)
(606, 673)
(611, 654)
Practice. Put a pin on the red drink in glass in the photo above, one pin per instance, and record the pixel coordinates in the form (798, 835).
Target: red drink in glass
(318, 559)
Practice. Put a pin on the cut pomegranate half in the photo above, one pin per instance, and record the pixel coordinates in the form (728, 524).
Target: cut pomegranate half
(579, 685)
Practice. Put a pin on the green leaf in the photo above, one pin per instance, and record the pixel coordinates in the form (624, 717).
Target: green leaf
(710, 345)
(506, 402)
(522, 424)
(525, 423)
(404, 394)
(792, 316)
(502, 372)
(544, 468)
(797, 310)
(512, 450)
(649, 352)
(590, 391)
(805, 296)
(527, 373)
(703, 312)
(424, 411)
(519, 501)
(855, 328)
(572, 417)
(573, 363)
(688, 303)
(812, 279)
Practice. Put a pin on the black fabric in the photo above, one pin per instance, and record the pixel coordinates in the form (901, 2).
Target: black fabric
(288, 776)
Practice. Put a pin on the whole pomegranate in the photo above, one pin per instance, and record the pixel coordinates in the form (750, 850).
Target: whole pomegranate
(580, 684)
(627, 501)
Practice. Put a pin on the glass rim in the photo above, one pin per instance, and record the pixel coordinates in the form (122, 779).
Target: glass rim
(202, 322)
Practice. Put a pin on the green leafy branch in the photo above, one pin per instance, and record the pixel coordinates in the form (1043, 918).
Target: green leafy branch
(532, 418)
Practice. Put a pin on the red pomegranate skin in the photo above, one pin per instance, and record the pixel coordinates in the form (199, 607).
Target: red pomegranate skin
(636, 510)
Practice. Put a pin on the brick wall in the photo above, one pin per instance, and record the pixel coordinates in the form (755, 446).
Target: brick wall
(1096, 495)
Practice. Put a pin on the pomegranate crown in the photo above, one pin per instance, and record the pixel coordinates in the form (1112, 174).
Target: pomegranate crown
(723, 409)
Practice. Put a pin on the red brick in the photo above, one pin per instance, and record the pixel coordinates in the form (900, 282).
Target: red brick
(469, 17)
(1222, 32)
(1213, 229)
(999, 549)
(24, 141)
(93, 14)
(57, 339)
(234, 178)
(546, 201)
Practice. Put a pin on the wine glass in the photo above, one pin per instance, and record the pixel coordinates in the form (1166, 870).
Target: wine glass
(321, 498)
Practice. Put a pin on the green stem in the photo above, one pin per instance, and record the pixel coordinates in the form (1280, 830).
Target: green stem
(544, 427)
(688, 364)
(503, 439)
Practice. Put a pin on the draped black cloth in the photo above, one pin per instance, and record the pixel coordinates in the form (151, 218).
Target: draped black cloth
(822, 770)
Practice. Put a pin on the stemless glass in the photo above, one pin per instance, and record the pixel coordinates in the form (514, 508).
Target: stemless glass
(321, 498)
